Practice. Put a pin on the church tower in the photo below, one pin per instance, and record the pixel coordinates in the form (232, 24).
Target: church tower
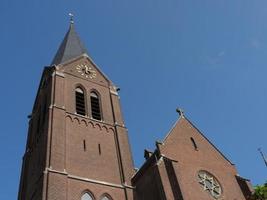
(77, 146)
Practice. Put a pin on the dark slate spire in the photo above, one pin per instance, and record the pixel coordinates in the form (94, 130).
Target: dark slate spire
(70, 47)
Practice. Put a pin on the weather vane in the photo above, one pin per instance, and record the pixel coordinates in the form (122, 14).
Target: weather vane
(71, 18)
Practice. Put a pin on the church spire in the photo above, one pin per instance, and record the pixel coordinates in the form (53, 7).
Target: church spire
(71, 46)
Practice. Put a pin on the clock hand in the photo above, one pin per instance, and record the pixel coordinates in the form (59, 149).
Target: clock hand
(87, 71)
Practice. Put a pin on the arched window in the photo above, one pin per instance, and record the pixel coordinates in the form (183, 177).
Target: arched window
(95, 106)
(86, 196)
(80, 101)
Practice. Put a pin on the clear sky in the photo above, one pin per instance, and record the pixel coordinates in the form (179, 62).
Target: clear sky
(208, 57)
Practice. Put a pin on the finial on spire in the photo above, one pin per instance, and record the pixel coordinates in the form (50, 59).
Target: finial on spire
(180, 112)
(71, 18)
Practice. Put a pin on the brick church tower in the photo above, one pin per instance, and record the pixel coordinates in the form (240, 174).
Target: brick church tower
(77, 145)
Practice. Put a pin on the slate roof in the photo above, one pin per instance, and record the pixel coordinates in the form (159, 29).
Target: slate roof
(71, 47)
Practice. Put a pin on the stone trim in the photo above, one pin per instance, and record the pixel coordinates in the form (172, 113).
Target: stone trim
(113, 92)
(87, 179)
(55, 106)
(58, 74)
(95, 181)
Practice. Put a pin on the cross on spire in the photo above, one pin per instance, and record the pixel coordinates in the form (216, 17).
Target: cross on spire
(180, 112)
(71, 18)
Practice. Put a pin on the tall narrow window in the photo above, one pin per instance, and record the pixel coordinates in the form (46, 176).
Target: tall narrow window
(95, 106)
(84, 145)
(99, 149)
(194, 143)
(87, 196)
(80, 102)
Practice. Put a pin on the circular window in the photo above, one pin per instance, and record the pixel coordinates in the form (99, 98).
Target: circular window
(210, 184)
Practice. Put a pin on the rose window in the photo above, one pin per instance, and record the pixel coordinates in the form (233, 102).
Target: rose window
(210, 184)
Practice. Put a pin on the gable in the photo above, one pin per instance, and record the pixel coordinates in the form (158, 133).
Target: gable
(185, 139)
(83, 67)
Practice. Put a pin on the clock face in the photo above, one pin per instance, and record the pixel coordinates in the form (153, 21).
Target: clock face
(86, 71)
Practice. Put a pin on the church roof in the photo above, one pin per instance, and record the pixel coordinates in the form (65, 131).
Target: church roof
(71, 47)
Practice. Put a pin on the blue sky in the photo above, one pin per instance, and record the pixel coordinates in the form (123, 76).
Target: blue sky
(208, 57)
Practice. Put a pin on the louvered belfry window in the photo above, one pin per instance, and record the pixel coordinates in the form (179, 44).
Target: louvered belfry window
(80, 102)
(105, 198)
(86, 196)
(95, 106)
